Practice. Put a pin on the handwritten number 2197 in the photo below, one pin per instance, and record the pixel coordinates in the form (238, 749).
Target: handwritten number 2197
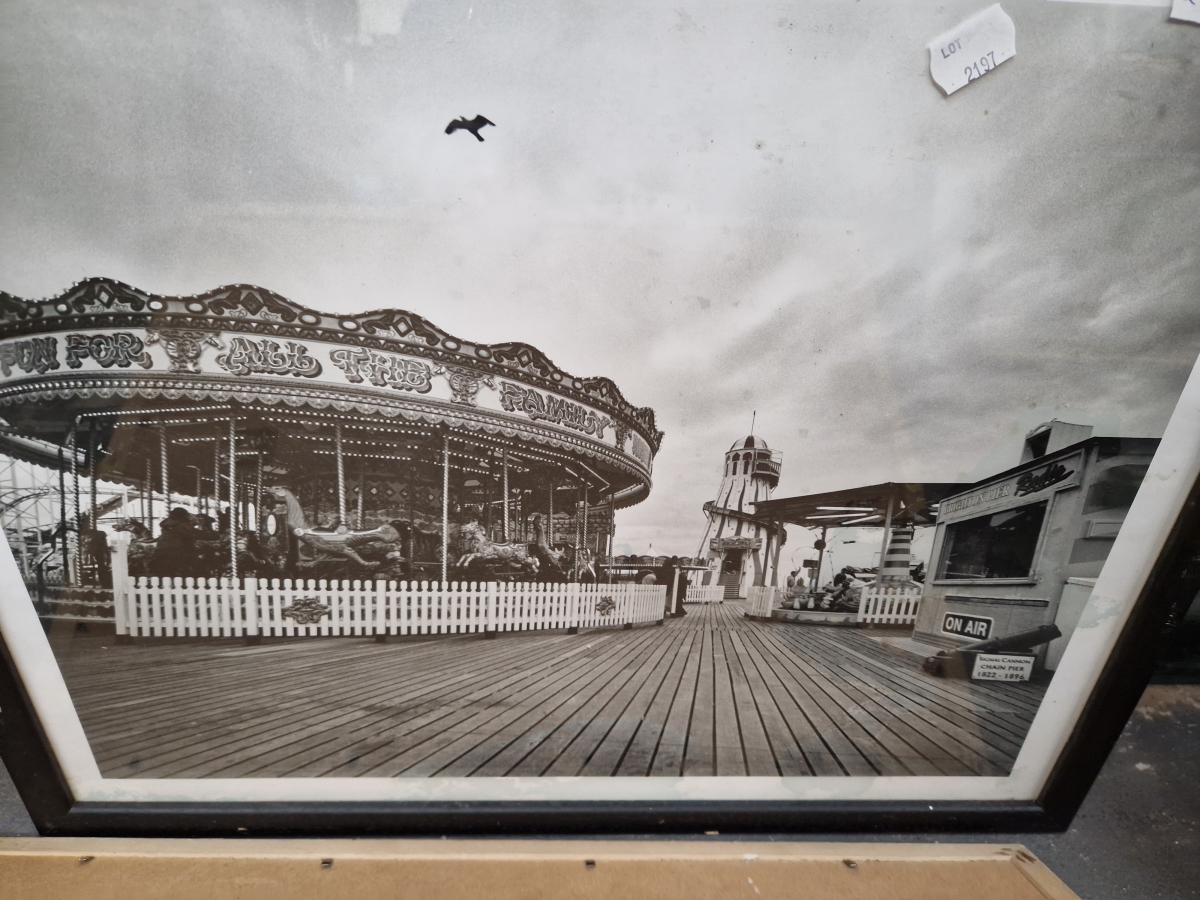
(978, 69)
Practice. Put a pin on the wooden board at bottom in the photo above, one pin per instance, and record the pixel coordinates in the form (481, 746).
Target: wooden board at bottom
(367, 869)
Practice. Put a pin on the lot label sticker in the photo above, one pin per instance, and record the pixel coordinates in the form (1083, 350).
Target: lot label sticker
(1186, 11)
(973, 49)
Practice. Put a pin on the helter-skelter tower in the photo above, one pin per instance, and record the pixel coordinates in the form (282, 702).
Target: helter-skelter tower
(746, 549)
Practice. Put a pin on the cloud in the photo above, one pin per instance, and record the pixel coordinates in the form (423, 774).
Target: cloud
(723, 207)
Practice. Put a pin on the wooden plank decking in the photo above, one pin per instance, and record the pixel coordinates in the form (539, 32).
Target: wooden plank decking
(713, 693)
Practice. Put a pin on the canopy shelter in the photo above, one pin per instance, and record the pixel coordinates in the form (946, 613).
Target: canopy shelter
(349, 431)
(871, 506)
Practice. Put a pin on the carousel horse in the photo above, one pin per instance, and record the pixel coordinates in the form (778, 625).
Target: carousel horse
(587, 572)
(555, 563)
(141, 546)
(384, 541)
(212, 553)
(480, 548)
(140, 532)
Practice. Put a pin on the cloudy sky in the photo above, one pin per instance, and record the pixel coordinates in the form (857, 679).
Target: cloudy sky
(725, 207)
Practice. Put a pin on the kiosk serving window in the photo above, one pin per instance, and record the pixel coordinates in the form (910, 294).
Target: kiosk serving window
(997, 546)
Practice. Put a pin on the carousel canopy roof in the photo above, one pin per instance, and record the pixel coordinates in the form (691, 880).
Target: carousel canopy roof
(861, 507)
(104, 351)
(98, 302)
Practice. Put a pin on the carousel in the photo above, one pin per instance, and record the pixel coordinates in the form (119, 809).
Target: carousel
(249, 436)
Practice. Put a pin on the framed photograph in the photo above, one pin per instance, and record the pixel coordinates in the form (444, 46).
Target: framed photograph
(486, 417)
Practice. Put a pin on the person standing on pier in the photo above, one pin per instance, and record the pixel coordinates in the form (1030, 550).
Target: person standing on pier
(175, 550)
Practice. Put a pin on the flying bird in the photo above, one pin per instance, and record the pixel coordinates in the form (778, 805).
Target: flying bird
(471, 125)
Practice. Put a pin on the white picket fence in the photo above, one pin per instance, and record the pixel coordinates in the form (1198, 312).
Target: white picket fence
(705, 593)
(889, 604)
(760, 601)
(186, 607)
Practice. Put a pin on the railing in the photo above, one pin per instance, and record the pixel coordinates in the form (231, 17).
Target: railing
(889, 604)
(79, 604)
(760, 601)
(210, 607)
(705, 593)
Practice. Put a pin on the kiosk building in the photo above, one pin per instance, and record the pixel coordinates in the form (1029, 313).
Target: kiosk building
(1023, 549)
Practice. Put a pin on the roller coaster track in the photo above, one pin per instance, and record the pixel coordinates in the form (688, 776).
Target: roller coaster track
(101, 508)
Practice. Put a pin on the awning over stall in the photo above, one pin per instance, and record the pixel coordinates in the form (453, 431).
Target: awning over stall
(867, 506)
(890, 505)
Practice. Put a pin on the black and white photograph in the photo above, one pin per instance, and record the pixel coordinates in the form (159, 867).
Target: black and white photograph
(483, 400)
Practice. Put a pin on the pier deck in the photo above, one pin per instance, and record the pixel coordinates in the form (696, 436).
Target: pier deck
(713, 693)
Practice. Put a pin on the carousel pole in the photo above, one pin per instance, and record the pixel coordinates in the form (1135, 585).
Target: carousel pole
(411, 548)
(585, 516)
(504, 454)
(233, 549)
(85, 545)
(576, 566)
(162, 461)
(612, 534)
(258, 492)
(341, 474)
(446, 504)
(148, 497)
(94, 505)
(75, 509)
(362, 490)
(550, 518)
(216, 494)
(62, 508)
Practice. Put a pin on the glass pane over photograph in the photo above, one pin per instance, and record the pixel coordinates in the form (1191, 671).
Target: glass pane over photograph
(656, 422)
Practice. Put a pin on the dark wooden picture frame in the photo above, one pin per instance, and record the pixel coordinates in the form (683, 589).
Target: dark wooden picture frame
(333, 375)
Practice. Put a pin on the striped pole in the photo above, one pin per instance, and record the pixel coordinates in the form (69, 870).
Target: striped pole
(258, 492)
(92, 475)
(233, 523)
(148, 496)
(162, 462)
(362, 490)
(504, 485)
(446, 504)
(898, 555)
(216, 477)
(75, 506)
(584, 538)
(62, 501)
(341, 476)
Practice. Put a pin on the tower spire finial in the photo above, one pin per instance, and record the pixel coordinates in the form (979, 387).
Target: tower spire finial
(753, 418)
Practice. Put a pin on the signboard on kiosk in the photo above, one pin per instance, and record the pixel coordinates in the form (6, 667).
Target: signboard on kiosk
(1017, 490)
